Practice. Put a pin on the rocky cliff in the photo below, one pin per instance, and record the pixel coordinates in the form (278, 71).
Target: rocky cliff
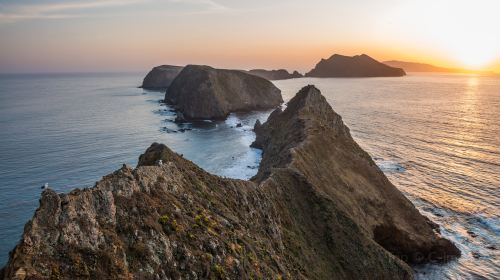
(319, 208)
(272, 75)
(353, 66)
(160, 77)
(203, 92)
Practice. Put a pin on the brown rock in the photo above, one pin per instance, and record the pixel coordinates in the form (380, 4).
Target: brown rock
(353, 66)
(319, 208)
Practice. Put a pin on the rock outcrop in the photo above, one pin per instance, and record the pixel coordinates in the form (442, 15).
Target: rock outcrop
(353, 66)
(319, 208)
(160, 77)
(203, 92)
(272, 75)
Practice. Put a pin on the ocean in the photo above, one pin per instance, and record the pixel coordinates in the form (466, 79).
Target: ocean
(436, 137)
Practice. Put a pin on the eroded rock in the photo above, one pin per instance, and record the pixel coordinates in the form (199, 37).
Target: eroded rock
(319, 208)
(203, 92)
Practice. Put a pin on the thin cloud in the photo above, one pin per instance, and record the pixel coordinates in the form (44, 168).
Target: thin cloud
(15, 13)
(56, 10)
(209, 5)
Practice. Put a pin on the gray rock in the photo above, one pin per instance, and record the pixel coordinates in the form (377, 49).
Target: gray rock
(203, 92)
(161, 77)
(280, 74)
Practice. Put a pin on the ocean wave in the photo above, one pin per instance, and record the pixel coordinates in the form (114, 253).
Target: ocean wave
(389, 166)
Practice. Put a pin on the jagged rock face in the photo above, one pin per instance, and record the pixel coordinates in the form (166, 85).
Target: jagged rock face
(280, 74)
(310, 137)
(160, 77)
(319, 208)
(355, 66)
(202, 92)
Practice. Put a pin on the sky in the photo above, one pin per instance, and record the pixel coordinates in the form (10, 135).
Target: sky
(133, 35)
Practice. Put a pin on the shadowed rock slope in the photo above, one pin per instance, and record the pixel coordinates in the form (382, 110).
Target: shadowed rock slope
(272, 75)
(203, 92)
(353, 66)
(160, 77)
(319, 208)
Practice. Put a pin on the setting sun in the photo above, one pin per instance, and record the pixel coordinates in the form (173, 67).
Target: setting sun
(458, 34)
(475, 58)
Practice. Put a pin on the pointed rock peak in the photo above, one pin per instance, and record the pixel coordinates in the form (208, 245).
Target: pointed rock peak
(308, 98)
(155, 153)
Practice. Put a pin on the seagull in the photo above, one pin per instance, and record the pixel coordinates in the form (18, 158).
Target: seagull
(160, 162)
(46, 186)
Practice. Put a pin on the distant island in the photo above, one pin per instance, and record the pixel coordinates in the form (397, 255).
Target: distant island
(424, 67)
(203, 92)
(272, 75)
(160, 77)
(353, 66)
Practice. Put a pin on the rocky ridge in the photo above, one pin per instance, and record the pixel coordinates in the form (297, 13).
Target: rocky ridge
(319, 208)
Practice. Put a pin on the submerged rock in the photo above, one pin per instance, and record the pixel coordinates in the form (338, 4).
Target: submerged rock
(319, 208)
(203, 92)
(160, 77)
(353, 66)
(280, 74)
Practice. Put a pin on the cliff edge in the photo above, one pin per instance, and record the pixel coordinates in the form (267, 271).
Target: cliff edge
(319, 208)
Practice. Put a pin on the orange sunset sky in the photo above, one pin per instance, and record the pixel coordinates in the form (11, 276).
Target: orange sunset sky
(132, 35)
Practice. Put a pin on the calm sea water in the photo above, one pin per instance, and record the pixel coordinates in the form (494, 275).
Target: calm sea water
(437, 137)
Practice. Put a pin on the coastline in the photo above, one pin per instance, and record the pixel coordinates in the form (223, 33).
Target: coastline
(383, 156)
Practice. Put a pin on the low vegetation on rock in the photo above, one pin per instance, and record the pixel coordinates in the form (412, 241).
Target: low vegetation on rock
(319, 208)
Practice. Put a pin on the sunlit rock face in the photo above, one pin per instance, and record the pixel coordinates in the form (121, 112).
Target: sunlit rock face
(319, 208)
(353, 66)
(203, 92)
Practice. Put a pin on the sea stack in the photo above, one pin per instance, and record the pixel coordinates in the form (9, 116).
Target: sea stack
(160, 77)
(273, 75)
(203, 92)
(319, 208)
(353, 66)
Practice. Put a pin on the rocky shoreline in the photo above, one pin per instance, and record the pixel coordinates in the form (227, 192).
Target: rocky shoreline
(318, 208)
